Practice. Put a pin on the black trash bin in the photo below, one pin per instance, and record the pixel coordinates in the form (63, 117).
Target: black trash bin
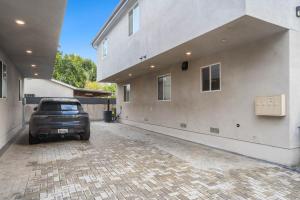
(108, 116)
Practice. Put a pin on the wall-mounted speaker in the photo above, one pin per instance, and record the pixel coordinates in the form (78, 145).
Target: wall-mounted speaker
(185, 66)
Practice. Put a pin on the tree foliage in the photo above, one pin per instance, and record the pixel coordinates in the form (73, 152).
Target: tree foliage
(73, 69)
(108, 87)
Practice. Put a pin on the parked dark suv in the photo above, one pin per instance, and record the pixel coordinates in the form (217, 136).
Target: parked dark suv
(58, 116)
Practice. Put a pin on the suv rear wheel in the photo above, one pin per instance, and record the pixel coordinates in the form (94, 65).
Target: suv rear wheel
(33, 140)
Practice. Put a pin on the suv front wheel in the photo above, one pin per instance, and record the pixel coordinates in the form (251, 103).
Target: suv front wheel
(85, 136)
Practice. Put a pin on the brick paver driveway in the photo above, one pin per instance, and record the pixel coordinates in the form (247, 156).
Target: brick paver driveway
(122, 162)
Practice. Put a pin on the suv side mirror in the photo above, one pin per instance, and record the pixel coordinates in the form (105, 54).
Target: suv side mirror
(35, 108)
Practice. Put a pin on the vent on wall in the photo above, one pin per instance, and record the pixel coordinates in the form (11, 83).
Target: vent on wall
(215, 130)
(183, 125)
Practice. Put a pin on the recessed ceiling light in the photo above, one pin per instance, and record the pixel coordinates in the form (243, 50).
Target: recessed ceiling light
(152, 66)
(36, 74)
(33, 65)
(129, 74)
(224, 40)
(20, 22)
(188, 53)
(28, 51)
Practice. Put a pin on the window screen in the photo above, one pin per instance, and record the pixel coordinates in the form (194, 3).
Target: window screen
(1, 67)
(20, 90)
(126, 89)
(205, 79)
(4, 81)
(134, 20)
(215, 77)
(164, 88)
(211, 78)
(104, 48)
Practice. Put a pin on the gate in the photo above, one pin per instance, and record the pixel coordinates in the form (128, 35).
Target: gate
(94, 106)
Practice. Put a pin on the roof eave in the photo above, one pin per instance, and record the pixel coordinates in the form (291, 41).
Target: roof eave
(119, 7)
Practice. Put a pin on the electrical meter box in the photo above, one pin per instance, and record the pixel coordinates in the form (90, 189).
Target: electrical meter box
(270, 106)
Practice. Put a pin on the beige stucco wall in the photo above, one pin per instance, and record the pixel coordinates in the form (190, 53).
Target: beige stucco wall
(257, 69)
(171, 25)
(11, 109)
(294, 89)
(46, 88)
(282, 13)
(174, 24)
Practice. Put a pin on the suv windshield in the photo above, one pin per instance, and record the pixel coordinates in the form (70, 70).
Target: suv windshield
(60, 106)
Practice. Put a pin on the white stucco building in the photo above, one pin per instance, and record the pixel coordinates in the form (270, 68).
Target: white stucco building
(29, 37)
(220, 73)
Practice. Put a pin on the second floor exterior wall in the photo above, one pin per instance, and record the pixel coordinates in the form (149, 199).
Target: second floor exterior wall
(164, 25)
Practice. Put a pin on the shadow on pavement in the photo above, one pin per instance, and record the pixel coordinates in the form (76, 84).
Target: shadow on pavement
(23, 139)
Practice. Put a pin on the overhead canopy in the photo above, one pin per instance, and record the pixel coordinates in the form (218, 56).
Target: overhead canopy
(40, 34)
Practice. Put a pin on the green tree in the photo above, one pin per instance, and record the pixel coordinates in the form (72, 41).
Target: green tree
(73, 69)
(108, 87)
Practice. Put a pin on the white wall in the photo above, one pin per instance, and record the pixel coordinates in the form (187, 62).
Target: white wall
(282, 13)
(165, 25)
(46, 88)
(294, 89)
(11, 109)
(257, 69)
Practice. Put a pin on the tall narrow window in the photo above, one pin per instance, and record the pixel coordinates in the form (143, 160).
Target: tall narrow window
(1, 67)
(164, 88)
(4, 81)
(104, 48)
(126, 89)
(134, 19)
(211, 78)
(20, 90)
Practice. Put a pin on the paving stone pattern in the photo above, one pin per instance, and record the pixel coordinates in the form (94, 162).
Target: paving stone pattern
(116, 167)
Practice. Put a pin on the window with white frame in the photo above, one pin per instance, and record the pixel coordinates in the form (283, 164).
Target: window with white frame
(20, 89)
(211, 78)
(134, 19)
(3, 80)
(104, 48)
(1, 66)
(164, 87)
(126, 89)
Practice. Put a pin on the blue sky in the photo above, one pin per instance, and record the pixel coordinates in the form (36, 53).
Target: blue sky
(83, 20)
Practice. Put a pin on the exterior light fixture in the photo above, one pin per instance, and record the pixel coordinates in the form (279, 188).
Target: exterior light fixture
(152, 66)
(28, 51)
(20, 22)
(33, 65)
(188, 53)
(129, 75)
(36, 74)
(298, 11)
